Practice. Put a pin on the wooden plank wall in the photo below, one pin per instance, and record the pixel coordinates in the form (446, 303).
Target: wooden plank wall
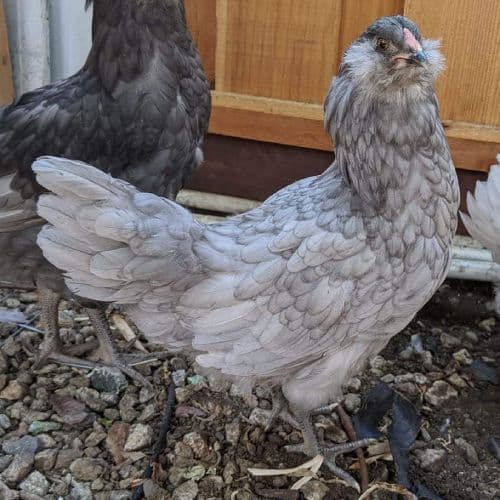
(6, 88)
(271, 61)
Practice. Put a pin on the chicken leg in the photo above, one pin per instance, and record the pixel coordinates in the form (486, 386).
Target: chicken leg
(311, 447)
(52, 349)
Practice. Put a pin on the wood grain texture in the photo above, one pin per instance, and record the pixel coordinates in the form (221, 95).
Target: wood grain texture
(469, 89)
(358, 14)
(284, 49)
(6, 87)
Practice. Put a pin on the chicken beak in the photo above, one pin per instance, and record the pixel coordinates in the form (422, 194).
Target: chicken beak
(419, 56)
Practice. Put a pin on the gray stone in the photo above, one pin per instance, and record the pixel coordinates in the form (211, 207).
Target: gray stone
(4, 421)
(87, 469)
(45, 460)
(233, 431)
(4, 364)
(152, 491)
(147, 413)
(106, 379)
(179, 378)
(439, 393)
(43, 426)
(186, 491)
(354, 385)
(431, 459)
(91, 398)
(140, 436)
(119, 495)
(449, 340)
(352, 402)
(456, 380)
(66, 457)
(80, 491)
(36, 484)
(196, 442)
(26, 444)
(126, 407)
(19, 468)
(14, 391)
(94, 438)
(259, 417)
(388, 379)
(468, 451)
(378, 362)
(471, 336)
(6, 493)
(463, 357)
(315, 490)
(5, 460)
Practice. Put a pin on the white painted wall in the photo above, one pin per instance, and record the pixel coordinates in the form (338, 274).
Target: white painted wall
(49, 40)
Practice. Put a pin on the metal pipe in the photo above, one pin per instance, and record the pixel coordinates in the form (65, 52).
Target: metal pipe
(476, 270)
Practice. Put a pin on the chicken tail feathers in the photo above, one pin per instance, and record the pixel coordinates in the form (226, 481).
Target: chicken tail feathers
(483, 220)
(110, 239)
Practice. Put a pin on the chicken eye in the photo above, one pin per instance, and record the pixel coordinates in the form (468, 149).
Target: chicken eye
(382, 44)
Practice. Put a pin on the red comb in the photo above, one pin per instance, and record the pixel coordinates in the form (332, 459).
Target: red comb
(411, 41)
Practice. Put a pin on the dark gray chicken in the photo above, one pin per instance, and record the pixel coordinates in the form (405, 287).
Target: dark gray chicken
(300, 291)
(138, 110)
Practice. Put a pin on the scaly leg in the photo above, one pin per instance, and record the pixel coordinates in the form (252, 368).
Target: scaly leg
(311, 447)
(51, 343)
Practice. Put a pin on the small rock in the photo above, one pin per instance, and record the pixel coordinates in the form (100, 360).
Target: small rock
(218, 383)
(468, 450)
(14, 391)
(456, 380)
(36, 484)
(407, 388)
(230, 470)
(354, 385)
(6, 493)
(244, 392)
(19, 468)
(463, 357)
(259, 417)
(28, 297)
(12, 303)
(4, 421)
(195, 473)
(152, 491)
(91, 398)
(66, 457)
(233, 431)
(352, 402)
(439, 393)
(388, 379)
(140, 436)
(179, 378)
(183, 394)
(431, 459)
(87, 469)
(487, 325)
(126, 407)
(471, 336)
(197, 444)
(80, 491)
(378, 362)
(449, 340)
(147, 413)
(40, 427)
(119, 495)
(145, 395)
(26, 444)
(4, 364)
(94, 438)
(420, 379)
(5, 461)
(45, 460)
(197, 380)
(186, 491)
(106, 379)
(315, 490)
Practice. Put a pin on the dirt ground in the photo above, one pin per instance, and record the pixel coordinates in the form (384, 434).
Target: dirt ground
(82, 440)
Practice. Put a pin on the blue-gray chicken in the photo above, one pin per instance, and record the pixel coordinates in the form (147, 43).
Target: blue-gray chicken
(300, 291)
(138, 110)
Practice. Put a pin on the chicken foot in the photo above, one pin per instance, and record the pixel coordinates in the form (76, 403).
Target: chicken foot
(311, 447)
(52, 349)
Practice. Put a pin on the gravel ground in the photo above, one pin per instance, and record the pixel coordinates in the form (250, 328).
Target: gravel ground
(65, 434)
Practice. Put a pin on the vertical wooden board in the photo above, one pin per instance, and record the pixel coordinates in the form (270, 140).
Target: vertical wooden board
(357, 15)
(6, 88)
(469, 89)
(285, 49)
(202, 23)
